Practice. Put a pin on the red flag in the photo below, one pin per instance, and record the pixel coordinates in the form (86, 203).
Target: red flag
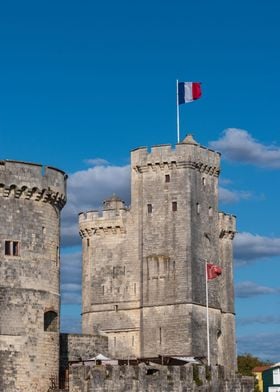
(213, 271)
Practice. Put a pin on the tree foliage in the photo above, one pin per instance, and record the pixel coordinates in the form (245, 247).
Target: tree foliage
(247, 362)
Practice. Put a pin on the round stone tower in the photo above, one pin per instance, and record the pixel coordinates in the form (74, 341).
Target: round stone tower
(31, 198)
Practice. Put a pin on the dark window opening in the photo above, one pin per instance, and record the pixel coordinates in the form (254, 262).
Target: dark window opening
(150, 208)
(167, 178)
(50, 321)
(11, 248)
(87, 241)
(174, 206)
(116, 308)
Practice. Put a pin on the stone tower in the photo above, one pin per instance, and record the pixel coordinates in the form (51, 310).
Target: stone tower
(31, 198)
(144, 268)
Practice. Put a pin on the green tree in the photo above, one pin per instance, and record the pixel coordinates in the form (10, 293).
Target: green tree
(247, 362)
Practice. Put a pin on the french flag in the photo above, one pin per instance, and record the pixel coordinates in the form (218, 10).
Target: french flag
(188, 91)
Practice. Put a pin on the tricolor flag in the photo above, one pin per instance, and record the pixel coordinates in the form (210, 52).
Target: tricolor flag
(188, 91)
(213, 271)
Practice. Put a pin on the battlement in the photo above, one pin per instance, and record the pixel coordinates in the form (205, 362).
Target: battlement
(32, 181)
(227, 223)
(102, 223)
(186, 154)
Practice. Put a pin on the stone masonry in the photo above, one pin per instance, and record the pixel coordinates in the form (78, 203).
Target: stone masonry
(144, 266)
(31, 198)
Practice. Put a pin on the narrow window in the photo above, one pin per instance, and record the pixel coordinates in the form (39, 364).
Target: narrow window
(197, 208)
(115, 341)
(50, 321)
(210, 211)
(11, 248)
(160, 336)
(150, 208)
(203, 181)
(87, 242)
(57, 255)
(167, 178)
(103, 289)
(15, 248)
(116, 308)
(8, 248)
(43, 230)
(174, 206)
(124, 270)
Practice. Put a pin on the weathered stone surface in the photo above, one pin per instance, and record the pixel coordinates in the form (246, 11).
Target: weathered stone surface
(144, 266)
(155, 378)
(31, 198)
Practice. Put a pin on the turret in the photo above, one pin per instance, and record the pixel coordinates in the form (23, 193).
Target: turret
(31, 198)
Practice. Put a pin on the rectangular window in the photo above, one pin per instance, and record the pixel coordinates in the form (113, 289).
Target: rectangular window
(174, 206)
(167, 178)
(276, 376)
(150, 208)
(11, 248)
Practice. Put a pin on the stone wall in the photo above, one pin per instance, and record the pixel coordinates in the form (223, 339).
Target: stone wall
(143, 378)
(31, 198)
(144, 267)
(76, 347)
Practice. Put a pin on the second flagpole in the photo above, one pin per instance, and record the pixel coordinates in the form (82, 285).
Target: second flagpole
(207, 315)
(177, 109)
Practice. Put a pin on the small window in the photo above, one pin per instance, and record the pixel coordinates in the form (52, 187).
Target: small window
(11, 248)
(167, 178)
(174, 206)
(203, 181)
(50, 321)
(150, 208)
(116, 307)
(87, 242)
(198, 208)
(210, 211)
(160, 336)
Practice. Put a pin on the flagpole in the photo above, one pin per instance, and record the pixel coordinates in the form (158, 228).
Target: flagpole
(177, 109)
(207, 316)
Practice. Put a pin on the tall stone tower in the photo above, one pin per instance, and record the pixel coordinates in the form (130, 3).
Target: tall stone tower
(144, 268)
(31, 198)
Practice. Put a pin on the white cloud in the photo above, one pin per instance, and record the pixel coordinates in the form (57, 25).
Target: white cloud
(263, 345)
(86, 191)
(238, 145)
(96, 162)
(251, 247)
(228, 196)
(250, 289)
(71, 278)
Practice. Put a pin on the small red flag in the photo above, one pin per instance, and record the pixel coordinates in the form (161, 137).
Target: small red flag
(213, 271)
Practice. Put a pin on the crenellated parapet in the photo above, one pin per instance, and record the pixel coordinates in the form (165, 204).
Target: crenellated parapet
(227, 225)
(108, 222)
(188, 154)
(22, 180)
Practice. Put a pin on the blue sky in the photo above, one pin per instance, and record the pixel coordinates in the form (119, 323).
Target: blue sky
(83, 83)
